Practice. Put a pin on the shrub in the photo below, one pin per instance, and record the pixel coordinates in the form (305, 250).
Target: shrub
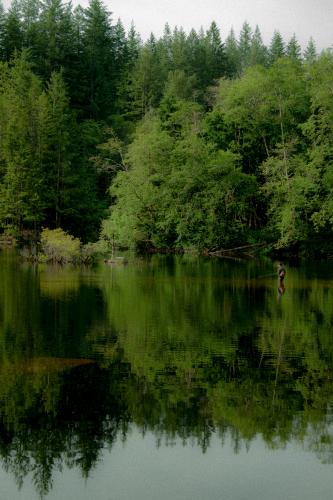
(59, 246)
(92, 251)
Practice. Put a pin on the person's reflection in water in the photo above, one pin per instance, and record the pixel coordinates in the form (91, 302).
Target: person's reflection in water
(281, 275)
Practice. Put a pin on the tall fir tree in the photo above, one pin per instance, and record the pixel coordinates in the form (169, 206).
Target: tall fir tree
(98, 61)
(125, 104)
(215, 54)
(2, 25)
(148, 79)
(258, 51)
(23, 141)
(60, 148)
(12, 31)
(179, 55)
(233, 55)
(31, 10)
(56, 46)
(276, 48)
(244, 44)
(294, 50)
(310, 53)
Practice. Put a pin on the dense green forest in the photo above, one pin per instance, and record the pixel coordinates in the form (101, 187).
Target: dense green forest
(196, 140)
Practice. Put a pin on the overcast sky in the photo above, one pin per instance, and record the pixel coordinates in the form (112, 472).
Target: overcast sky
(305, 18)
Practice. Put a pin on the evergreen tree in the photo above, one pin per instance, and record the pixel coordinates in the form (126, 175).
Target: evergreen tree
(179, 54)
(2, 24)
(76, 74)
(233, 55)
(98, 61)
(258, 52)
(125, 105)
(133, 46)
(119, 47)
(72, 200)
(310, 53)
(56, 38)
(198, 53)
(120, 58)
(148, 79)
(215, 55)
(167, 40)
(12, 39)
(30, 23)
(276, 48)
(245, 42)
(23, 145)
(60, 148)
(294, 50)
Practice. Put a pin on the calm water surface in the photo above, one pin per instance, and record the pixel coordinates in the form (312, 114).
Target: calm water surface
(167, 378)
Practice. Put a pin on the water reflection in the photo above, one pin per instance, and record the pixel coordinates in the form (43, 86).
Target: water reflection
(182, 347)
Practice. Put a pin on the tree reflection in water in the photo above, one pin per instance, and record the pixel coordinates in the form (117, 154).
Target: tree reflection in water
(183, 348)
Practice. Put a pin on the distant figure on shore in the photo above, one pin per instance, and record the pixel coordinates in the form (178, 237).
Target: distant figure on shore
(281, 271)
(281, 275)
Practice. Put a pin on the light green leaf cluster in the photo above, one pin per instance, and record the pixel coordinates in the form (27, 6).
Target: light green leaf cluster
(59, 246)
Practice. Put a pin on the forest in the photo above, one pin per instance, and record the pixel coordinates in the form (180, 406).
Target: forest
(190, 141)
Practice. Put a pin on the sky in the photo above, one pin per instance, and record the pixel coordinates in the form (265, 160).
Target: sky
(305, 18)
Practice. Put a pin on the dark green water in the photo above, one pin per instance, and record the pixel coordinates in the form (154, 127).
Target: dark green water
(169, 378)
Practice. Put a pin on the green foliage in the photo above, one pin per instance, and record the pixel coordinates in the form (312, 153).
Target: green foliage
(43, 177)
(91, 252)
(277, 48)
(178, 191)
(299, 183)
(310, 53)
(23, 146)
(294, 50)
(263, 109)
(233, 55)
(319, 129)
(244, 45)
(59, 246)
(258, 52)
(192, 179)
(69, 77)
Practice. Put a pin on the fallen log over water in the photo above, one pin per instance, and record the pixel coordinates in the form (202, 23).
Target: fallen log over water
(245, 250)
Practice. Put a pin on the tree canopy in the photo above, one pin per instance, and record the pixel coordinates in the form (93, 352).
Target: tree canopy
(194, 140)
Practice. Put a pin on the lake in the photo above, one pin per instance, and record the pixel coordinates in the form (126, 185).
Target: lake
(171, 377)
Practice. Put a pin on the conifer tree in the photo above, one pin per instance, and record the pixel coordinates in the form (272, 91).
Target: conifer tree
(148, 78)
(2, 24)
(12, 31)
(23, 126)
(310, 53)
(294, 50)
(244, 45)
(133, 45)
(215, 54)
(30, 23)
(179, 55)
(125, 103)
(56, 38)
(60, 151)
(233, 55)
(258, 51)
(276, 48)
(98, 61)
